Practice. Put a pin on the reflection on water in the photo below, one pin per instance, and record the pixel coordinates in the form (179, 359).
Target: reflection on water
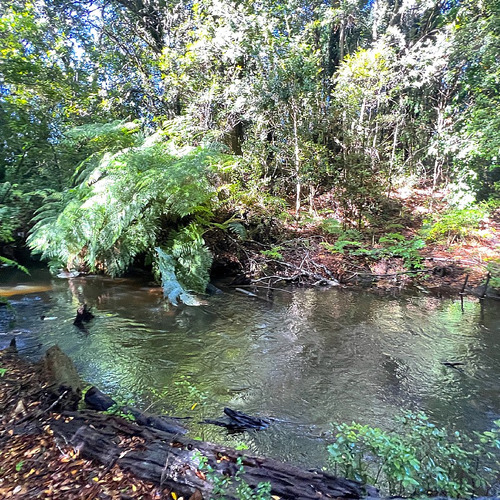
(308, 358)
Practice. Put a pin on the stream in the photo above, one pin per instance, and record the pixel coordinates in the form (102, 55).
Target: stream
(306, 357)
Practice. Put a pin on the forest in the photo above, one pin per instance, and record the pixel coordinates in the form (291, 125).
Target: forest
(272, 148)
(166, 134)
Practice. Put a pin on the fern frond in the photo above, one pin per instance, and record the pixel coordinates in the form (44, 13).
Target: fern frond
(12, 263)
(173, 290)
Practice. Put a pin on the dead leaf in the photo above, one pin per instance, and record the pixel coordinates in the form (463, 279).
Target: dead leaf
(196, 495)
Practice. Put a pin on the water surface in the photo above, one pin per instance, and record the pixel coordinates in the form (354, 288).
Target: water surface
(304, 357)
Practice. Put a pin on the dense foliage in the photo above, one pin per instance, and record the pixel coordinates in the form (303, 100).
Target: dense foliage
(418, 458)
(112, 115)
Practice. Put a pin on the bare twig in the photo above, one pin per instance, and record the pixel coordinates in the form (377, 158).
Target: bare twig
(464, 285)
(318, 277)
(488, 277)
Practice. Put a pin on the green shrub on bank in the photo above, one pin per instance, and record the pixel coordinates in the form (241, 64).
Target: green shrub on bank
(236, 486)
(391, 245)
(493, 268)
(419, 459)
(455, 224)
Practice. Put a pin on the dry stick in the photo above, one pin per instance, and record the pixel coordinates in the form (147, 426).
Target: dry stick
(454, 261)
(303, 260)
(464, 285)
(486, 286)
(264, 278)
(316, 276)
(253, 295)
(266, 287)
(397, 274)
(325, 269)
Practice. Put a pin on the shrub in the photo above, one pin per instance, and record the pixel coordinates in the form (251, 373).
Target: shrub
(390, 245)
(455, 224)
(152, 200)
(420, 459)
(236, 486)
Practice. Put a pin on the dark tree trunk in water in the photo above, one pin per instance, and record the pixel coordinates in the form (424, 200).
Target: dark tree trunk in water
(83, 315)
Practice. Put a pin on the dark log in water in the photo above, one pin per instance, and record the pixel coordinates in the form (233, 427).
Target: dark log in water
(239, 421)
(172, 461)
(97, 400)
(167, 458)
(83, 315)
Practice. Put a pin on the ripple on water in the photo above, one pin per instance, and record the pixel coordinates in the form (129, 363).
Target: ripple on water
(308, 358)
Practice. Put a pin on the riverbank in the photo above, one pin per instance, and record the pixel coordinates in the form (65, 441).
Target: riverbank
(418, 242)
(49, 450)
(36, 463)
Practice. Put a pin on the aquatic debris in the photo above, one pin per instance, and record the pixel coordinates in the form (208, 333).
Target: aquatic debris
(67, 274)
(239, 421)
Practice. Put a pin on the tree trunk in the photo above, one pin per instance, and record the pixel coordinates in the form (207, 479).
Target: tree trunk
(298, 184)
(173, 461)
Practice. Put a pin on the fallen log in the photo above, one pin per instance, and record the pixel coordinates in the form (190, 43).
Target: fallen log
(168, 459)
(174, 461)
(239, 421)
(99, 401)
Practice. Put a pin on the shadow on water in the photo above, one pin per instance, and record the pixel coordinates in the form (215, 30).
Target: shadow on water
(308, 358)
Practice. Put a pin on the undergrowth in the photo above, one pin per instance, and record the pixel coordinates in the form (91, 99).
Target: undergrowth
(418, 458)
(455, 224)
(351, 242)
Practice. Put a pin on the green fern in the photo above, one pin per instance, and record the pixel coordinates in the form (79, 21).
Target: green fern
(12, 263)
(135, 201)
(192, 257)
(184, 266)
(173, 290)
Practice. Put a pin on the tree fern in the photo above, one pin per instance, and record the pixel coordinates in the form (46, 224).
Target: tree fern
(132, 202)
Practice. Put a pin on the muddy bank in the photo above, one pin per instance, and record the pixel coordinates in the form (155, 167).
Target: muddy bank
(304, 262)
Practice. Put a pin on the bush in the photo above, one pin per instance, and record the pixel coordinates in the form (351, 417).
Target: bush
(455, 224)
(390, 245)
(235, 486)
(420, 459)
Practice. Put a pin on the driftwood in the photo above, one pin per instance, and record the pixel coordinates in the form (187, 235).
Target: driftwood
(97, 400)
(168, 459)
(173, 461)
(239, 421)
